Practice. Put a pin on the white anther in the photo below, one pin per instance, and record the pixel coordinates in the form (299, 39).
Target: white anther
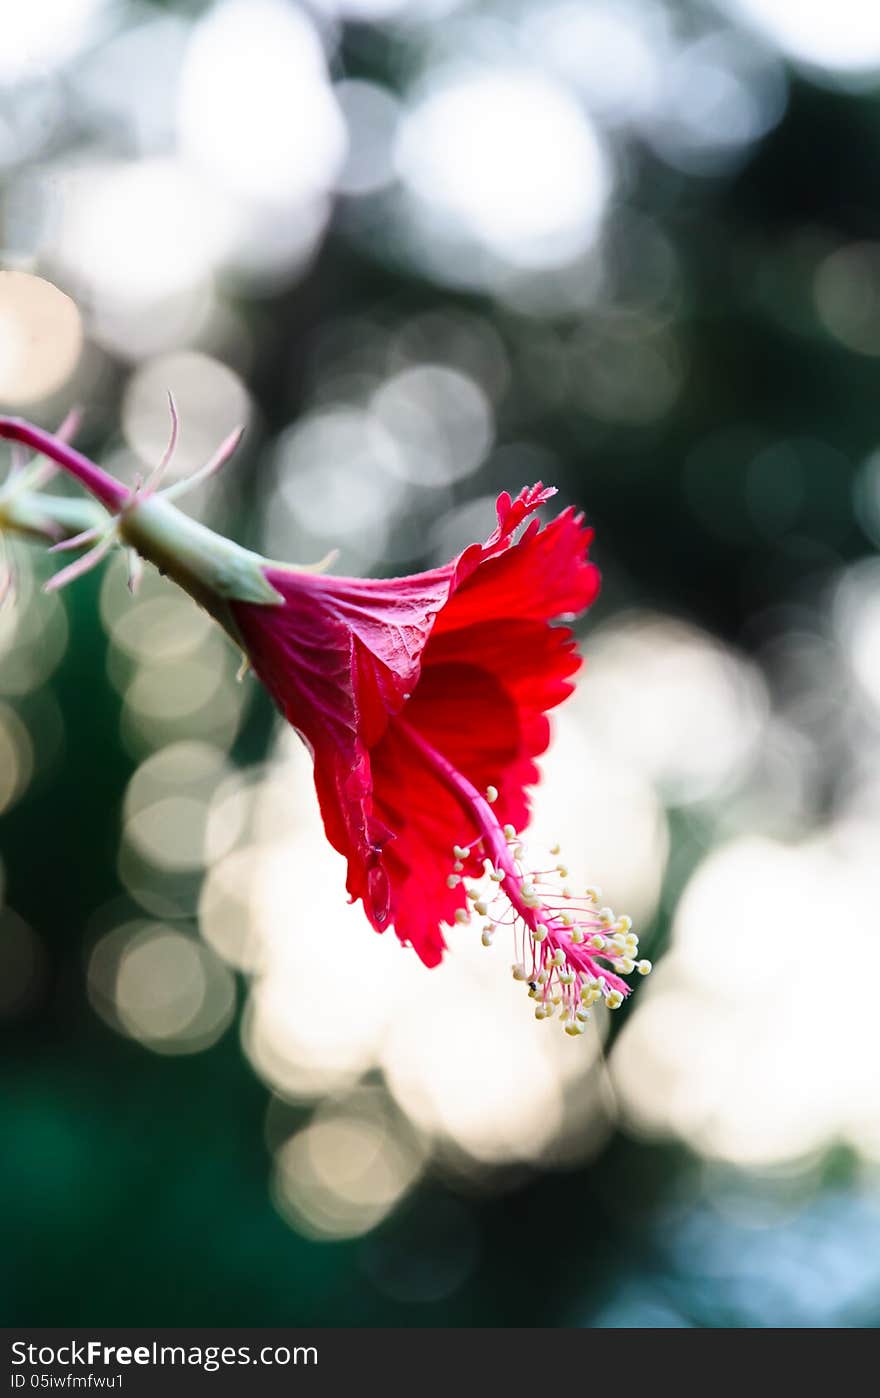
(460, 851)
(626, 966)
(574, 1027)
(491, 794)
(624, 922)
(614, 999)
(509, 832)
(462, 915)
(644, 967)
(606, 915)
(458, 866)
(583, 1015)
(558, 957)
(567, 893)
(539, 933)
(486, 938)
(518, 971)
(567, 978)
(540, 1012)
(527, 888)
(480, 907)
(452, 880)
(577, 935)
(542, 977)
(597, 942)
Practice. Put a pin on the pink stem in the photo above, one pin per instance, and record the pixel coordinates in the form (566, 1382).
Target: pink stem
(112, 494)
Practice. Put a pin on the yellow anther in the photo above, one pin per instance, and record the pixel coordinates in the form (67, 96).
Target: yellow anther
(558, 957)
(624, 922)
(606, 915)
(540, 932)
(597, 942)
(577, 935)
(626, 966)
(562, 871)
(593, 893)
(567, 893)
(518, 971)
(480, 907)
(644, 967)
(567, 978)
(543, 977)
(509, 832)
(462, 915)
(574, 1027)
(554, 850)
(486, 938)
(491, 794)
(614, 999)
(566, 919)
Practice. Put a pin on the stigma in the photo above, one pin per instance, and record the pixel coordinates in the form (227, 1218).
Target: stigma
(572, 951)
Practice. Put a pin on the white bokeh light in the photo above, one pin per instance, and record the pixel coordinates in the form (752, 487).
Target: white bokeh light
(856, 617)
(511, 161)
(753, 1042)
(137, 243)
(439, 419)
(612, 53)
(43, 34)
(338, 487)
(256, 109)
(371, 115)
(841, 38)
(675, 703)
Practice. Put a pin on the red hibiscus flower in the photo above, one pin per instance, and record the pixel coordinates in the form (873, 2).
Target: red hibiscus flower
(461, 658)
(424, 702)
